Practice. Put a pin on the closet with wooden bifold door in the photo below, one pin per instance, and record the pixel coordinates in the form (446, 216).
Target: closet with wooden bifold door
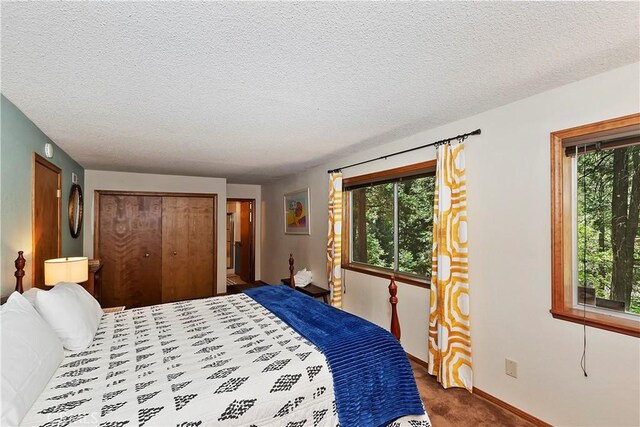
(155, 247)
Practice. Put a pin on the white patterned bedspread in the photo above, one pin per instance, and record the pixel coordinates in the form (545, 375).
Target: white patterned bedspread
(217, 361)
(223, 361)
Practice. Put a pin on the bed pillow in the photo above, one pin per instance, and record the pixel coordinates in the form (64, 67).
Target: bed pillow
(30, 295)
(72, 313)
(31, 353)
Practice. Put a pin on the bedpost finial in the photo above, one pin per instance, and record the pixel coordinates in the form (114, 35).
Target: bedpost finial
(19, 263)
(395, 323)
(292, 280)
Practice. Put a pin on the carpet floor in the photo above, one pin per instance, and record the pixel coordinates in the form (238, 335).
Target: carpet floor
(234, 279)
(236, 289)
(456, 407)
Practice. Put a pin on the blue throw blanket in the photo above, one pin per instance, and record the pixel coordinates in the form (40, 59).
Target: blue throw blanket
(373, 380)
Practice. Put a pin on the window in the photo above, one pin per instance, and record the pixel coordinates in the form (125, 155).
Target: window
(390, 217)
(595, 215)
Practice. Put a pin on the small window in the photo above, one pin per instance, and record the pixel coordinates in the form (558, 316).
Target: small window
(389, 230)
(595, 233)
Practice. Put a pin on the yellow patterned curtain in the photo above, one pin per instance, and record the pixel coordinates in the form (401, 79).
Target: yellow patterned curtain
(449, 333)
(334, 240)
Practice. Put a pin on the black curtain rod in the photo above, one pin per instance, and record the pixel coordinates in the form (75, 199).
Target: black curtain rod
(442, 141)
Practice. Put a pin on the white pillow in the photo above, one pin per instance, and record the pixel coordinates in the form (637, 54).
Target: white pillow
(30, 295)
(31, 353)
(72, 313)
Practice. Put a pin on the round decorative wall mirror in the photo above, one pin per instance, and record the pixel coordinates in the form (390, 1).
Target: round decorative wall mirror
(75, 210)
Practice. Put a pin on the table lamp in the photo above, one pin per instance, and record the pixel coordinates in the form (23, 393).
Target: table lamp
(69, 269)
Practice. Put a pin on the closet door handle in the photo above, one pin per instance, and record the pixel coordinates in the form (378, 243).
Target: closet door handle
(146, 255)
(175, 253)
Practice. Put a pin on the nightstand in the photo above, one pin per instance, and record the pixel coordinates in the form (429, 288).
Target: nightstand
(92, 285)
(311, 290)
(113, 309)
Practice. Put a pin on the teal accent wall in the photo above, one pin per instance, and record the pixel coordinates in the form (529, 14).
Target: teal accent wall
(19, 139)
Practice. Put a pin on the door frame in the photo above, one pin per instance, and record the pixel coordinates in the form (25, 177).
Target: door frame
(38, 159)
(228, 218)
(252, 251)
(96, 221)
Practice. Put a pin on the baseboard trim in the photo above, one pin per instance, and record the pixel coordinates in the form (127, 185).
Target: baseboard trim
(501, 403)
(418, 361)
(510, 408)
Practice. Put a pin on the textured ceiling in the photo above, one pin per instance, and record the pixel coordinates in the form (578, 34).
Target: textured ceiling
(252, 91)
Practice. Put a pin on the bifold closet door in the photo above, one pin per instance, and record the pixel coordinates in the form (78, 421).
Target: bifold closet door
(187, 248)
(130, 248)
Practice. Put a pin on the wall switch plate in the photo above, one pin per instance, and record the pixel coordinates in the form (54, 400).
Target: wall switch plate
(511, 368)
(74, 178)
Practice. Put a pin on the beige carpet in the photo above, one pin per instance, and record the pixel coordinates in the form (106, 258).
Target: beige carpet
(458, 408)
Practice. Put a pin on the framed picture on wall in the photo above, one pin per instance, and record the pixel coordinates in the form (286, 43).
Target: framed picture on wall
(296, 212)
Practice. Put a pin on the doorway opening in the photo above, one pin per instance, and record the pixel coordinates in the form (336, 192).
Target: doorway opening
(240, 241)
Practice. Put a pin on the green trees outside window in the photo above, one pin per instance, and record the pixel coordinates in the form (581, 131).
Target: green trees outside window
(373, 225)
(608, 237)
(379, 240)
(415, 225)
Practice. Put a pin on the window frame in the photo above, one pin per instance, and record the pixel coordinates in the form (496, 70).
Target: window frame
(389, 175)
(562, 241)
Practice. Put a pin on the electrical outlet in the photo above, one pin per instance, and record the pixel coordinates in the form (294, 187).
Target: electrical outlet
(511, 368)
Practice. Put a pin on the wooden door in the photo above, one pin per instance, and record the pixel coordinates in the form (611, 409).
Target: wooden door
(188, 270)
(246, 241)
(46, 216)
(130, 247)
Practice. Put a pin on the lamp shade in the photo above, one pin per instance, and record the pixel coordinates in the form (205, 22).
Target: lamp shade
(71, 269)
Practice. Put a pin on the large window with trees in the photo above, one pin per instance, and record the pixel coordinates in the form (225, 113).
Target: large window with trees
(596, 213)
(389, 227)
(608, 244)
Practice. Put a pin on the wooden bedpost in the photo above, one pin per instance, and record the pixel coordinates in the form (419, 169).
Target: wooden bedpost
(19, 263)
(292, 280)
(395, 323)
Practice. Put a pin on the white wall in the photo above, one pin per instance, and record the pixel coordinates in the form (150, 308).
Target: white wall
(508, 182)
(125, 181)
(248, 191)
(308, 251)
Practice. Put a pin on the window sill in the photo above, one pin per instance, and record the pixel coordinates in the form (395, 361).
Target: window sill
(399, 277)
(600, 321)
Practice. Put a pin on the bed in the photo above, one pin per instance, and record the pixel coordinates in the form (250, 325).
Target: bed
(260, 358)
